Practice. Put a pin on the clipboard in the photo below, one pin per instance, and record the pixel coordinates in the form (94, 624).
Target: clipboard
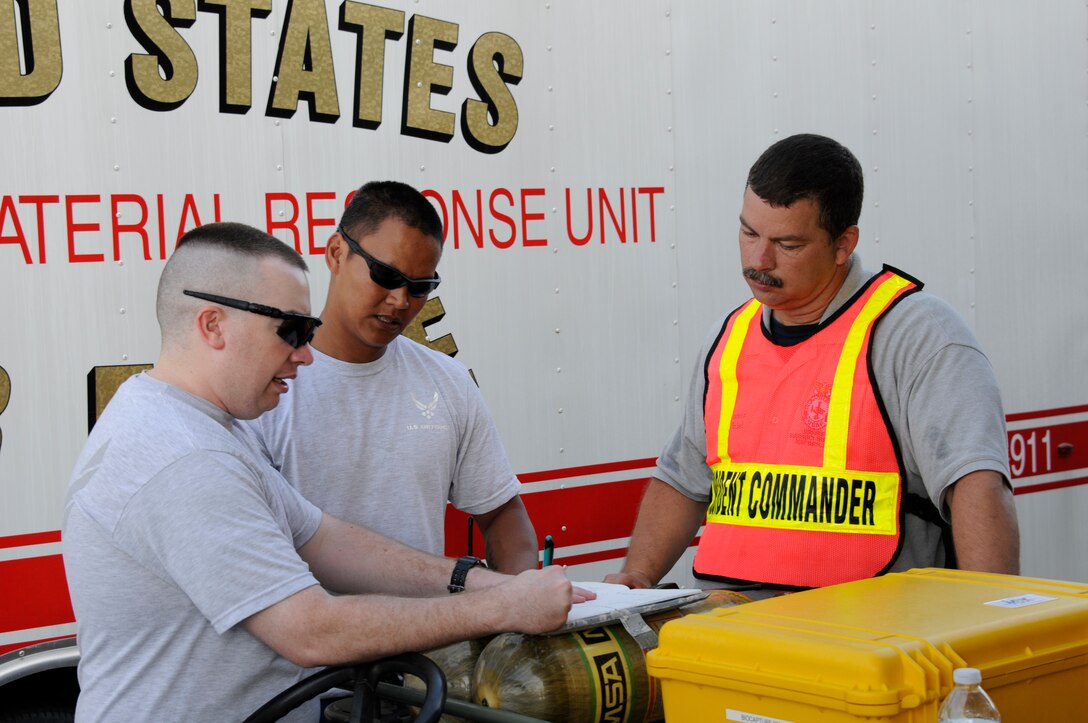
(623, 605)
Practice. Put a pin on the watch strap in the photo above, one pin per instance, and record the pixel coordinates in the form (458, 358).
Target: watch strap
(460, 572)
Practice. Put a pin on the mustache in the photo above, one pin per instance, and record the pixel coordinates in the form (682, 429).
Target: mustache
(761, 277)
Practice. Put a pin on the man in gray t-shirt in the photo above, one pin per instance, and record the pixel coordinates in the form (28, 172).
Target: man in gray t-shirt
(201, 581)
(383, 431)
(935, 393)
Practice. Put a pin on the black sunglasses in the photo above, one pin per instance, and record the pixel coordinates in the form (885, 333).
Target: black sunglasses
(296, 329)
(388, 277)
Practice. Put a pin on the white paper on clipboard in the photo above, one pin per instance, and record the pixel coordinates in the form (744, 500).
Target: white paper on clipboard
(623, 605)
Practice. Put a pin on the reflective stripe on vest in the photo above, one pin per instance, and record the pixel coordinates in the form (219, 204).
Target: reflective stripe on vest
(807, 487)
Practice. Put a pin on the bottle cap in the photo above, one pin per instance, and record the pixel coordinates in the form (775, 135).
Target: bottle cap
(966, 676)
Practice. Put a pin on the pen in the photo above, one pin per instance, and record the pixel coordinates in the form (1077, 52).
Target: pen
(549, 549)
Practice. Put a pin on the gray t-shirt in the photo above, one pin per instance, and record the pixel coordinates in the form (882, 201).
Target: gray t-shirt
(385, 444)
(940, 394)
(174, 533)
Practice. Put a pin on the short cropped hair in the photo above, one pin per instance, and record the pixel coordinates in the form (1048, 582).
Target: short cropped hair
(376, 201)
(813, 167)
(217, 258)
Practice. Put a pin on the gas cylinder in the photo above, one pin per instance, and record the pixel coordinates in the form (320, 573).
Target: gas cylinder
(457, 661)
(591, 675)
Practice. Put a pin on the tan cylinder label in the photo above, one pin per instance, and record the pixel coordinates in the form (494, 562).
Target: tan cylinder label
(609, 670)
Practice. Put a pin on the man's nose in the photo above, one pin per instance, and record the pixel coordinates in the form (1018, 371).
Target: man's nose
(303, 355)
(399, 297)
(761, 255)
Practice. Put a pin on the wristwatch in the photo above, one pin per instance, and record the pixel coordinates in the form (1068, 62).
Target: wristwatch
(460, 571)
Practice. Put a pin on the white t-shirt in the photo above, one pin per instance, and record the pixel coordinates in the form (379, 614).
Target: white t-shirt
(175, 532)
(387, 443)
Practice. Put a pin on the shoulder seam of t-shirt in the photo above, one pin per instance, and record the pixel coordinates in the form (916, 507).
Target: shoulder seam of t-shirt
(187, 457)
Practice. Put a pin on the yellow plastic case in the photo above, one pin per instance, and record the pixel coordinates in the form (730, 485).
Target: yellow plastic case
(881, 649)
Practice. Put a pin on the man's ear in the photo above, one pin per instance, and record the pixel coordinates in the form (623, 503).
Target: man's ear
(336, 253)
(210, 325)
(845, 243)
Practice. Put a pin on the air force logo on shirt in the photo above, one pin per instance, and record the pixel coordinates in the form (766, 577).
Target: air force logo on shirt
(428, 410)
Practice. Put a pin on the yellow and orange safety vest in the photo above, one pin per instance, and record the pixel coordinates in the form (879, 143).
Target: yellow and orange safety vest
(807, 480)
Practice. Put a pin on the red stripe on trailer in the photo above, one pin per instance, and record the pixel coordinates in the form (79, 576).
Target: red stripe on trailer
(35, 594)
(616, 554)
(33, 538)
(572, 516)
(1058, 412)
(1056, 485)
(587, 470)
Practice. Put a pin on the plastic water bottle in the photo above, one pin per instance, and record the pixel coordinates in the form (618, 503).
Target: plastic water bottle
(968, 702)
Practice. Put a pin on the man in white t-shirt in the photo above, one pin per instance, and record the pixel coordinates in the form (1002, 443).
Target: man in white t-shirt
(201, 581)
(381, 430)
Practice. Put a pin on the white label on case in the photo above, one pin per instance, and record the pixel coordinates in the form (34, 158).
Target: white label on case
(1020, 601)
(743, 717)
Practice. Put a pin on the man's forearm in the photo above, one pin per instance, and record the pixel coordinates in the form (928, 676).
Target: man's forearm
(667, 523)
(347, 558)
(312, 628)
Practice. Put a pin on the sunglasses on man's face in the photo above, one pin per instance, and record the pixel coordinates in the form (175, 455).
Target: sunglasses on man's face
(388, 277)
(296, 329)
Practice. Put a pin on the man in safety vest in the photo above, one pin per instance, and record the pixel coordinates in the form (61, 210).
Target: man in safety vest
(838, 423)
